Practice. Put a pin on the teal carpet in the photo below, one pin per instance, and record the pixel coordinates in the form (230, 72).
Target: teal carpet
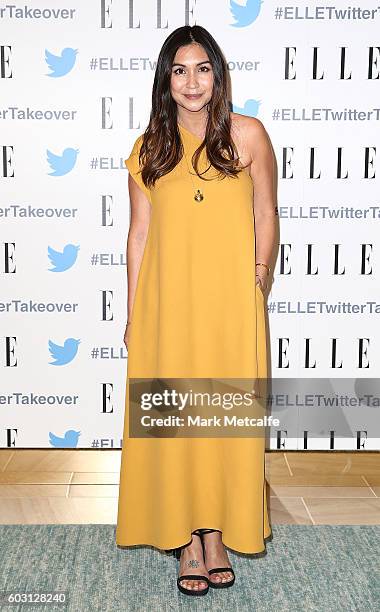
(318, 568)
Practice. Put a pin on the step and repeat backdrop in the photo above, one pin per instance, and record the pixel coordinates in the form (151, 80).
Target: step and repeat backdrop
(75, 92)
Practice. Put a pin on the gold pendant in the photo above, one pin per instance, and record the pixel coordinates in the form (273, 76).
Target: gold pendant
(198, 196)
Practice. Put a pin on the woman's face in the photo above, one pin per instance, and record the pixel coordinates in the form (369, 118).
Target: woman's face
(191, 77)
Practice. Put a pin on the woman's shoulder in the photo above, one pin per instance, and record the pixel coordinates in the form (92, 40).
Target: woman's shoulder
(248, 131)
(245, 125)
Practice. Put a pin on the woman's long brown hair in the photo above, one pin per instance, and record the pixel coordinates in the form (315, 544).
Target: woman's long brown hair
(161, 148)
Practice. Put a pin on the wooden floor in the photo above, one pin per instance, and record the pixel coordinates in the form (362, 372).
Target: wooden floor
(81, 486)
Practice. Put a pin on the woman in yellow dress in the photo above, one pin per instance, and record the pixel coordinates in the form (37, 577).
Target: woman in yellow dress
(199, 244)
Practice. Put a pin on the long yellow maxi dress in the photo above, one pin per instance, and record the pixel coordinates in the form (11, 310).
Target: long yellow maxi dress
(197, 312)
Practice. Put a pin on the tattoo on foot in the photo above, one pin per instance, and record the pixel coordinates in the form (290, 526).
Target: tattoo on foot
(193, 563)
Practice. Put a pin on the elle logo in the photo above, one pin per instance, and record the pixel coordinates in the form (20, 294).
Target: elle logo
(5, 62)
(6, 161)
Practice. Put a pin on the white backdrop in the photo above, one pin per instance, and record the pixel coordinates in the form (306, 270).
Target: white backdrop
(75, 91)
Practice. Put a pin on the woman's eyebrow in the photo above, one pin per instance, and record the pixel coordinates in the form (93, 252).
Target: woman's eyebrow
(198, 64)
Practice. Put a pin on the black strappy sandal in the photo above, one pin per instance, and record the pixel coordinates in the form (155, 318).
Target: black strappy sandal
(204, 591)
(216, 570)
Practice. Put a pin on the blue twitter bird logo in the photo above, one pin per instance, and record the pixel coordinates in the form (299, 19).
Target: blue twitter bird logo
(69, 440)
(62, 164)
(61, 64)
(246, 14)
(251, 108)
(65, 260)
(63, 354)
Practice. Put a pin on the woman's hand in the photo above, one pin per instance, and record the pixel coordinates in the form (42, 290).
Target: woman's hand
(261, 280)
(126, 335)
(262, 273)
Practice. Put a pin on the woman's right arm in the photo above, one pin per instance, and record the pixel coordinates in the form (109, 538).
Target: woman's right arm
(140, 211)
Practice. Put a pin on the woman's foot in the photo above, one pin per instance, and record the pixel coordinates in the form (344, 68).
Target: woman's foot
(216, 556)
(192, 562)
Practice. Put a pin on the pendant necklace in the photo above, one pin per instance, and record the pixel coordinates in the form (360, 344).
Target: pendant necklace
(198, 197)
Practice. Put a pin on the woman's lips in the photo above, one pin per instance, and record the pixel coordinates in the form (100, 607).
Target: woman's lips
(193, 96)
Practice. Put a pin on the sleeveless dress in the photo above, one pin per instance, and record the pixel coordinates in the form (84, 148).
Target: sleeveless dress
(197, 312)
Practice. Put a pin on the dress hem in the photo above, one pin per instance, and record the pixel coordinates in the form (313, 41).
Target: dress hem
(171, 547)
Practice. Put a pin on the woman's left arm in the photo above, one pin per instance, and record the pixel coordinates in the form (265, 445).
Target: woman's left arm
(264, 202)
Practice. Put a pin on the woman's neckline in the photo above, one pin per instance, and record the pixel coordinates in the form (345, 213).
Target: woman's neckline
(189, 133)
(186, 131)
